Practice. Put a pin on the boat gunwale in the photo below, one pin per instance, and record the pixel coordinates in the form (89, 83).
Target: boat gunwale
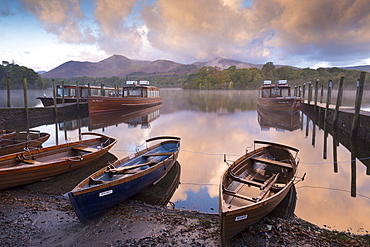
(78, 190)
(248, 156)
(58, 161)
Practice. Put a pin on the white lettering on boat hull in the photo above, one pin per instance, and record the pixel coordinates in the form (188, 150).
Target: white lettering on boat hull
(242, 217)
(105, 193)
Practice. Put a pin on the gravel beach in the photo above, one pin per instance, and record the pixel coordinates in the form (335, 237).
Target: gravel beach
(40, 214)
(28, 218)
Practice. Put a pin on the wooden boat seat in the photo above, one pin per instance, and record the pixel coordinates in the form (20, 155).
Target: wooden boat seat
(272, 162)
(268, 186)
(157, 154)
(86, 149)
(21, 158)
(32, 162)
(251, 182)
(94, 182)
(233, 193)
(125, 169)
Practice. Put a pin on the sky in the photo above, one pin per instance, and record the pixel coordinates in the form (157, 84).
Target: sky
(43, 34)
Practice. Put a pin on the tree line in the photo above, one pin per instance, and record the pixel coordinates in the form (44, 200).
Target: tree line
(207, 77)
(16, 74)
(252, 78)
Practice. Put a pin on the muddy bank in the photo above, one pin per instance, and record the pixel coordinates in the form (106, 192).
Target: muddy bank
(40, 215)
(28, 218)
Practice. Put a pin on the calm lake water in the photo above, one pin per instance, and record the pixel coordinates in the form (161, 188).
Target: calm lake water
(217, 123)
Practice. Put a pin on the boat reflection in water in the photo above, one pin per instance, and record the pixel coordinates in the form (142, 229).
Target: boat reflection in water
(161, 192)
(269, 119)
(96, 121)
(133, 118)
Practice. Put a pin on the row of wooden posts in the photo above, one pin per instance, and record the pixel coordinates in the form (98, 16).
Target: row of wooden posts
(298, 91)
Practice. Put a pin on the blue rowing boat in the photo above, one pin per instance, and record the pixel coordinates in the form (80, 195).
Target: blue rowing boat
(111, 185)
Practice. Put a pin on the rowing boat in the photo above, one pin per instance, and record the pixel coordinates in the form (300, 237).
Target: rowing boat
(117, 182)
(34, 165)
(21, 140)
(254, 185)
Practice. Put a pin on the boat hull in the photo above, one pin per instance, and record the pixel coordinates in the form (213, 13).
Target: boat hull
(91, 202)
(47, 162)
(98, 104)
(238, 214)
(235, 221)
(49, 101)
(282, 105)
(22, 140)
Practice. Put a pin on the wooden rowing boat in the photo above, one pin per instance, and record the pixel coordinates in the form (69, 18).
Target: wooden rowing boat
(6, 133)
(254, 185)
(37, 164)
(278, 98)
(21, 140)
(117, 182)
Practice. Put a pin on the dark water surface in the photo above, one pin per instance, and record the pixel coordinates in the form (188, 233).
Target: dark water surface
(214, 123)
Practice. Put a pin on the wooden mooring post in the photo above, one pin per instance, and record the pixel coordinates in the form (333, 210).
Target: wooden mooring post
(359, 94)
(25, 98)
(63, 100)
(55, 97)
(8, 91)
(316, 96)
(328, 99)
(309, 92)
(78, 97)
(339, 101)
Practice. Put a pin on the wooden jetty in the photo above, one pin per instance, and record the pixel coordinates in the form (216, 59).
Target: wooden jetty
(344, 121)
(350, 120)
(16, 117)
(28, 117)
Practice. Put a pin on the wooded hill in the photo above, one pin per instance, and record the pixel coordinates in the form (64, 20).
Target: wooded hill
(252, 78)
(16, 74)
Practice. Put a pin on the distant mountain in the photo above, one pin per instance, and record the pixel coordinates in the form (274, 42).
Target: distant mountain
(158, 66)
(225, 63)
(359, 68)
(115, 65)
(118, 65)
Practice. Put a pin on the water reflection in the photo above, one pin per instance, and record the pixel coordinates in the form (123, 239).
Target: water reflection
(212, 123)
(281, 122)
(141, 117)
(133, 119)
(161, 193)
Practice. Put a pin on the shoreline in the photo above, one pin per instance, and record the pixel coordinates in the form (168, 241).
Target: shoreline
(29, 218)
